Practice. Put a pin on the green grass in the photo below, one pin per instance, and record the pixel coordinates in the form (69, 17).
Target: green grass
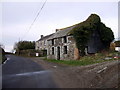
(86, 60)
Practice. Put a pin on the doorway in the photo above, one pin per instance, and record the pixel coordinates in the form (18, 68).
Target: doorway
(58, 53)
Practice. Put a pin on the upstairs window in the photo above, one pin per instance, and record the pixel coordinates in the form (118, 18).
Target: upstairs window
(65, 39)
(52, 41)
(65, 49)
(44, 43)
(52, 50)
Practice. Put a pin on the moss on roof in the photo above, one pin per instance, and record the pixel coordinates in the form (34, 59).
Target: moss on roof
(92, 20)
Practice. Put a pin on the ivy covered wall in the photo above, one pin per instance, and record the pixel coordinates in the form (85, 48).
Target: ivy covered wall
(84, 30)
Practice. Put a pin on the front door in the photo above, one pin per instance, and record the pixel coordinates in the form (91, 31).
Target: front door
(58, 53)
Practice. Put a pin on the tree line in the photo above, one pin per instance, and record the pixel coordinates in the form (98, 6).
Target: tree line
(24, 45)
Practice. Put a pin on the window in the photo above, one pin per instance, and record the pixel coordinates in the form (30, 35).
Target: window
(44, 43)
(41, 43)
(38, 47)
(65, 39)
(65, 49)
(52, 50)
(52, 41)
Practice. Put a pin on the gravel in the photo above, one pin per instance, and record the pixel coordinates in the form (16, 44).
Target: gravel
(100, 75)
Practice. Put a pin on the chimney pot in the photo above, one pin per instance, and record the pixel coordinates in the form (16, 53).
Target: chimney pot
(57, 30)
(41, 36)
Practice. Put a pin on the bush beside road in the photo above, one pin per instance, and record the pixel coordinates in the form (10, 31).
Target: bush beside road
(2, 55)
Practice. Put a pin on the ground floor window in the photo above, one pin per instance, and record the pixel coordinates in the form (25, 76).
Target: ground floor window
(38, 47)
(65, 49)
(52, 50)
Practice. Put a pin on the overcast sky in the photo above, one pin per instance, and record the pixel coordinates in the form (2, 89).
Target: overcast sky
(18, 16)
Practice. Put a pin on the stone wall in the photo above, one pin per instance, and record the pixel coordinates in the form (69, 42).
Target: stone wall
(59, 43)
(36, 45)
(41, 45)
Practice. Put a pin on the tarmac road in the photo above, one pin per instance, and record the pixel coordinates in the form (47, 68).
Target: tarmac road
(20, 72)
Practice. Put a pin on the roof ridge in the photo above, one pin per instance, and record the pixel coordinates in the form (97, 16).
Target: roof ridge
(45, 37)
(69, 26)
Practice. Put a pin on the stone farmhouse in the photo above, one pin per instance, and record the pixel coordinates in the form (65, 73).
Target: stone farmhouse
(62, 46)
(41, 44)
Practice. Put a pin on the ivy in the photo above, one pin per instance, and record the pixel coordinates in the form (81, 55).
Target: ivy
(84, 30)
(81, 36)
(106, 34)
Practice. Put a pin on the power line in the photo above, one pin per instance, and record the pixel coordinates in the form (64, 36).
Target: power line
(35, 19)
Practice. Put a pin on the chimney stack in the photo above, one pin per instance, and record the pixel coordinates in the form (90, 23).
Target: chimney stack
(41, 36)
(57, 30)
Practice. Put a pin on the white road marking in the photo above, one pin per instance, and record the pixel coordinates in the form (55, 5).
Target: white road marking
(32, 73)
(6, 60)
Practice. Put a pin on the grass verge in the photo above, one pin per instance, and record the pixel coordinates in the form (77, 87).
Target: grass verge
(87, 60)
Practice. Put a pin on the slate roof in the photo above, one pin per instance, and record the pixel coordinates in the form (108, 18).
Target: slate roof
(62, 32)
(45, 37)
(65, 31)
